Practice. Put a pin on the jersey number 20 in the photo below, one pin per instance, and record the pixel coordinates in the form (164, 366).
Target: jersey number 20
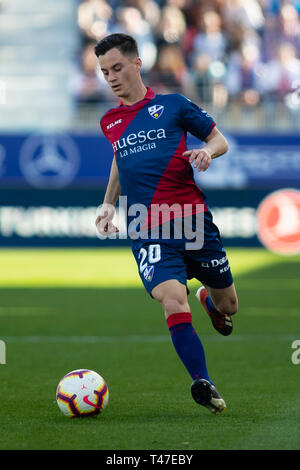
(153, 254)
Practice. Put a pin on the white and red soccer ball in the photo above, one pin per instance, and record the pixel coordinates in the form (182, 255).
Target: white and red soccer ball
(82, 393)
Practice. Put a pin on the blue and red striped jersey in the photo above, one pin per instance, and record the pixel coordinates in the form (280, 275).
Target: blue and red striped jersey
(148, 139)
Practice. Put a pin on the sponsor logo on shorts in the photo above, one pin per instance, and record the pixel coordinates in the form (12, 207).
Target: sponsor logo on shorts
(214, 263)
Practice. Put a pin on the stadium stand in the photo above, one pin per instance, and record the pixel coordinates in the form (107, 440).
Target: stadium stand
(38, 42)
(238, 58)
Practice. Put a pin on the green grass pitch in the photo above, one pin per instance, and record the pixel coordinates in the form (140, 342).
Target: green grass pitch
(67, 309)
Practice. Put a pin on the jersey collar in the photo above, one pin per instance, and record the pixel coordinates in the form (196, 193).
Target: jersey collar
(148, 96)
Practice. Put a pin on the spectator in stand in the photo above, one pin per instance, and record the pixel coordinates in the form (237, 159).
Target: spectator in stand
(290, 26)
(150, 12)
(88, 86)
(281, 27)
(130, 21)
(208, 59)
(282, 74)
(205, 49)
(243, 74)
(171, 73)
(248, 13)
(93, 17)
(202, 78)
(172, 25)
(211, 39)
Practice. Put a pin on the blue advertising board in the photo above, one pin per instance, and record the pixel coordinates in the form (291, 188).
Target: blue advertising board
(51, 185)
(54, 161)
(75, 160)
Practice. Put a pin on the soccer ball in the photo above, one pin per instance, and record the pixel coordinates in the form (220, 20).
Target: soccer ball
(82, 393)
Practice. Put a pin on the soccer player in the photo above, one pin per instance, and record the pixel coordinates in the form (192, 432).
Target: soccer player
(152, 167)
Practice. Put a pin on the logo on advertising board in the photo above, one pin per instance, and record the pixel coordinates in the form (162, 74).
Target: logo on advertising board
(49, 161)
(278, 219)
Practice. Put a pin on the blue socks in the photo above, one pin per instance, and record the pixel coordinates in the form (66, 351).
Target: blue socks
(188, 345)
(210, 306)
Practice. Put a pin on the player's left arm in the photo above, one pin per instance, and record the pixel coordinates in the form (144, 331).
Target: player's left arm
(216, 145)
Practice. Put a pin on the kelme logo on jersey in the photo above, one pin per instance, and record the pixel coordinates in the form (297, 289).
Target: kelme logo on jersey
(156, 110)
(148, 273)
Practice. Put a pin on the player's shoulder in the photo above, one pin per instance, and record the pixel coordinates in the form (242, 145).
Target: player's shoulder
(175, 98)
(176, 102)
(109, 117)
(110, 112)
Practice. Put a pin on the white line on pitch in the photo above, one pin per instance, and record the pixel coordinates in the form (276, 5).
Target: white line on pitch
(142, 339)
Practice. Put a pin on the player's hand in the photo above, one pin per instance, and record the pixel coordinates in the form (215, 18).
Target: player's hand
(199, 158)
(104, 220)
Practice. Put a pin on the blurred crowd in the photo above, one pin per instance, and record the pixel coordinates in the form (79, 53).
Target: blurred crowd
(213, 51)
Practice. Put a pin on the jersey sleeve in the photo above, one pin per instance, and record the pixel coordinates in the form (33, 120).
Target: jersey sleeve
(103, 126)
(103, 123)
(194, 119)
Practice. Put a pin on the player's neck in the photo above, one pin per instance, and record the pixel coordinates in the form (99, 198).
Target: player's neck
(136, 95)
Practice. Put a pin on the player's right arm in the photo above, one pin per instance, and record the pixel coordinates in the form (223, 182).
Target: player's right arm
(107, 210)
(195, 120)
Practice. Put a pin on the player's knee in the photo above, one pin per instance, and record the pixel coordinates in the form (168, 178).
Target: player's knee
(228, 306)
(172, 297)
(174, 302)
(174, 305)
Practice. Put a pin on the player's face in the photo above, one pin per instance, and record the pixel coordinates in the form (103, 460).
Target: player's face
(121, 72)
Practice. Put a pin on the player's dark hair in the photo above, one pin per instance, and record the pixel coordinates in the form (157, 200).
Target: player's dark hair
(126, 44)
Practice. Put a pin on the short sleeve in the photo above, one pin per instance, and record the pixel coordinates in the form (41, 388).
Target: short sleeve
(103, 127)
(194, 119)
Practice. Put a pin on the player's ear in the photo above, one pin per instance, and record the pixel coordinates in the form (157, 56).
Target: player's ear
(138, 63)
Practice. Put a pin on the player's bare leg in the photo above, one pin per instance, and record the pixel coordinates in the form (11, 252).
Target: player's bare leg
(220, 304)
(172, 295)
(225, 300)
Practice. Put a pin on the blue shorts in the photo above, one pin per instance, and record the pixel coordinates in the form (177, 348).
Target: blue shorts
(160, 260)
